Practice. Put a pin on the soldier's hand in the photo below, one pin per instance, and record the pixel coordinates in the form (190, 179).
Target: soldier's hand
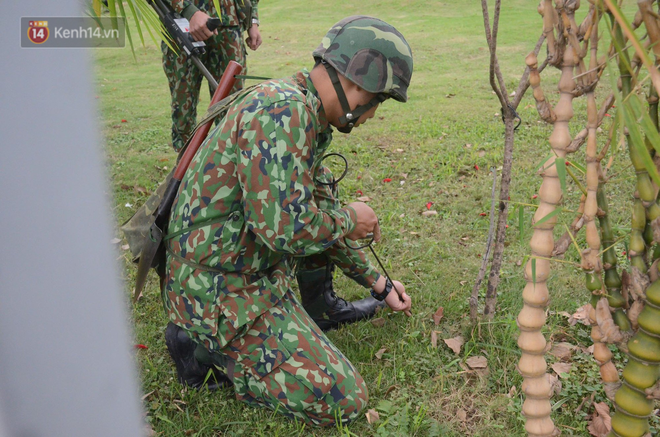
(198, 28)
(254, 37)
(367, 222)
(399, 302)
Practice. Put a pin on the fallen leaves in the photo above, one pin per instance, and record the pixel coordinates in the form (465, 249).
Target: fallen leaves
(555, 383)
(438, 315)
(581, 315)
(601, 422)
(562, 369)
(455, 344)
(372, 416)
(364, 199)
(477, 362)
(429, 213)
(379, 354)
(434, 339)
(378, 322)
(562, 351)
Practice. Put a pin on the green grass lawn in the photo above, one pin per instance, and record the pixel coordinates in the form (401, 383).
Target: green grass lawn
(437, 148)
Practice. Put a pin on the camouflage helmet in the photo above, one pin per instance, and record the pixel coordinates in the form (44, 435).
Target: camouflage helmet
(370, 53)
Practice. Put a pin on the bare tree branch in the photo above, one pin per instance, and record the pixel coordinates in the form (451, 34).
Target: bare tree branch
(492, 48)
(474, 299)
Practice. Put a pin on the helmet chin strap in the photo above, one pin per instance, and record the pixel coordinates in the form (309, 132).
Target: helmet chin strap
(350, 116)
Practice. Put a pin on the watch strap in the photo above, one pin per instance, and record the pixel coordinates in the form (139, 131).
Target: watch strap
(381, 296)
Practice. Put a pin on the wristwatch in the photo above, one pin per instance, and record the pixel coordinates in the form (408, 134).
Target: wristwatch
(381, 296)
(255, 21)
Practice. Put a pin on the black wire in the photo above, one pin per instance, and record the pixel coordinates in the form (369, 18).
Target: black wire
(334, 181)
(515, 115)
(373, 252)
(333, 184)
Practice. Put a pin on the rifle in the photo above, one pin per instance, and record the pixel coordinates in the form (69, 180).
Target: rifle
(152, 251)
(178, 29)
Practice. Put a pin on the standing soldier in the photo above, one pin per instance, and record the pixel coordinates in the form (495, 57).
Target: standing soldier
(251, 204)
(222, 45)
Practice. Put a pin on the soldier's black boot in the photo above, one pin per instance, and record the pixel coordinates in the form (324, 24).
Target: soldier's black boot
(322, 304)
(191, 371)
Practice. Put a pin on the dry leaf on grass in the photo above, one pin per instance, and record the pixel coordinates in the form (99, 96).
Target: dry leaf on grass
(125, 247)
(581, 315)
(455, 344)
(434, 339)
(381, 351)
(562, 368)
(601, 422)
(562, 351)
(390, 389)
(439, 314)
(372, 416)
(555, 383)
(477, 362)
(461, 414)
(378, 323)
(428, 213)
(364, 199)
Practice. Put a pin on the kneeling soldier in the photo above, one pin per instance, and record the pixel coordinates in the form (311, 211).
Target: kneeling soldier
(254, 202)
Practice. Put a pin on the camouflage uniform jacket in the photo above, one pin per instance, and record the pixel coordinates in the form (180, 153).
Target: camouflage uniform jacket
(250, 202)
(232, 12)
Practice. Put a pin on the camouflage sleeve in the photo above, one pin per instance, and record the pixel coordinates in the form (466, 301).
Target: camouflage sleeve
(276, 154)
(255, 9)
(184, 8)
(354, 263)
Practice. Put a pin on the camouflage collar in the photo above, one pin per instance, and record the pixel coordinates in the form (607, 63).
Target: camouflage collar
(303, 79)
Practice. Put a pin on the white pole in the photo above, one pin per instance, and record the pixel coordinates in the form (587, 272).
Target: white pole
(66, 364)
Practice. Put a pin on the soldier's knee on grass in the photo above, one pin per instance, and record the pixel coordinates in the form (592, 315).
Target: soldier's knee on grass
(342, 404)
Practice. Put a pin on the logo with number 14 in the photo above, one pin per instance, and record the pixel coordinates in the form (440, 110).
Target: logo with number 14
(38, 31)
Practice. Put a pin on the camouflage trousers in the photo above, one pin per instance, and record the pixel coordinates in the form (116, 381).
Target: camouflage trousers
(185, 79)
(284, 362)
